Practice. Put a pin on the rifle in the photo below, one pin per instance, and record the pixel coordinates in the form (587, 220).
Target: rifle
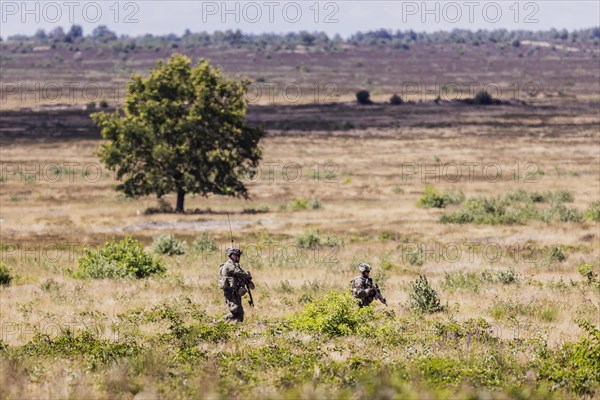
(379, 296)
(250, 299)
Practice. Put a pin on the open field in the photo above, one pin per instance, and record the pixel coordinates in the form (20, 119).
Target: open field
(367, 167)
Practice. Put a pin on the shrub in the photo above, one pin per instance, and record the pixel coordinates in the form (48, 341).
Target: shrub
(167, 244)
(514, 208)
(335, 314)
(91, 105)
(314, 204)
(483, 98)
(396, 100)
(123, 259)
(507, 277)
(556, 254)
(432, 198)
(103, 104)
(204, 244)
(461, 280)
(5, 276)
(423, 297)
(311, 239)
(93, 350)
(587, 272)
(415, 257)
(575, 366)
(297, 205)
(363, 97)
(593, 212)
(560, 213)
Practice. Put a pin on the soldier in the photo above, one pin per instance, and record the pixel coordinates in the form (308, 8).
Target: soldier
(363, 288)
(233, 281)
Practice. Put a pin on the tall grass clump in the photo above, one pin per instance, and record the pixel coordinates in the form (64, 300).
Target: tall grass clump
(117, 260)
(169, 245)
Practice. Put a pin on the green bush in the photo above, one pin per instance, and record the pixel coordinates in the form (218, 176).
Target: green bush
(556, 254)
(335, 314)
(432, 198)
(314, 204)
(204, 244)
(515, 208)
(297, 205)
(415, 257)
(87, 345)
(461, 280)
(5, 276)
(507, 277)
(167, 244)
(575, 366)
(593, 212)
(311, 239)
(123, 259)
(423, 297)
(472, 281)
(587, 272)
(561, 213)
(308, 240)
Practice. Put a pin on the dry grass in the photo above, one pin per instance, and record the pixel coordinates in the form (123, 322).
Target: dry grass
(369, 199)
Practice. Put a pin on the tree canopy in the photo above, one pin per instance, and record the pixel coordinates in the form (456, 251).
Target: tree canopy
(182, 129)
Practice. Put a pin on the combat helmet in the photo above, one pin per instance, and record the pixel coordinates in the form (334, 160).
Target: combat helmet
(233, 250)
(362, 267)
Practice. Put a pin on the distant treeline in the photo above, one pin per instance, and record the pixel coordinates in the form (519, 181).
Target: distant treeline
(290, 41)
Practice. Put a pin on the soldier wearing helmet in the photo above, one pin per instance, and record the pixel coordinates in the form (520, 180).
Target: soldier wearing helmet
(362, 286)
(233, 281)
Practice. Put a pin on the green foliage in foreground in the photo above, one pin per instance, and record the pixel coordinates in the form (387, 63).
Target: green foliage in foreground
(117, 260)
(340, 352)
(515, 208)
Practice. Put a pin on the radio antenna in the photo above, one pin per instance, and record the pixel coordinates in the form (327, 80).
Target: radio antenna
(230, 231)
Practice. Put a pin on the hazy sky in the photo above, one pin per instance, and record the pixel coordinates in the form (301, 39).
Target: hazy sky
(343, 17)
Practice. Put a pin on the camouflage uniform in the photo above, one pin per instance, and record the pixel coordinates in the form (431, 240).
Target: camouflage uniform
(363, 289)
(232, 282)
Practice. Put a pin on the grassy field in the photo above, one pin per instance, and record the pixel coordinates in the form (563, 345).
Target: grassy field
(523, 181)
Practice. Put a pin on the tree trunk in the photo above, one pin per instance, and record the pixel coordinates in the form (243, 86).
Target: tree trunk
(180, 197)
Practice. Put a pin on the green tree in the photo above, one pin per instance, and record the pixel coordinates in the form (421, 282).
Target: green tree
(182, 130)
